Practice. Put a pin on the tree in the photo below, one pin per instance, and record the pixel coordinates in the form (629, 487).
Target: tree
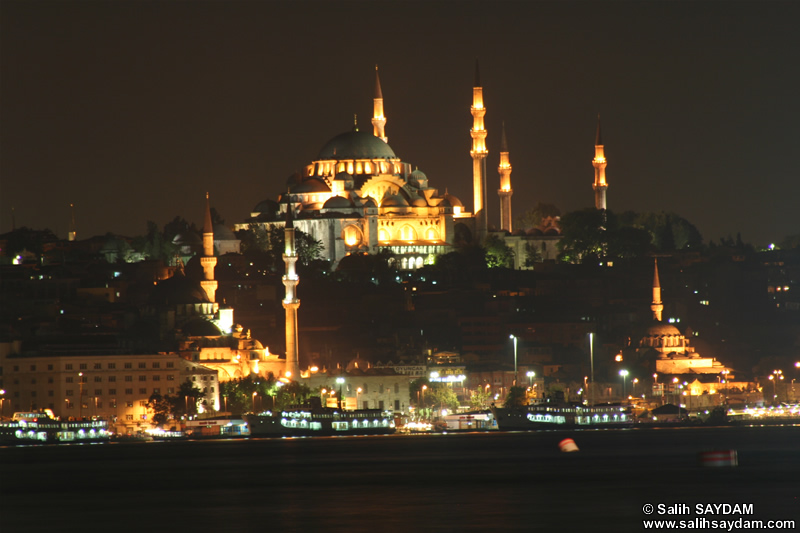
(441, 396)
(497, 253)
(533, 254)
(163, 408)
(188, 396)
(154, 245)
(517, 397)
(584, 235)
(533, 218)
(479, 399)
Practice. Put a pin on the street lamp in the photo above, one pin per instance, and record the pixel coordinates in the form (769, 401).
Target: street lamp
(531, 374)
(254, 401)
(358, 392)
(515, 357)
(624, 374)
(80, 396)
(591, 363)
(2, 402)
(634, 381)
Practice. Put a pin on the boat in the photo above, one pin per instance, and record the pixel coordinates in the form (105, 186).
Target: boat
(313, 419)
(560, 415)
(44, 428)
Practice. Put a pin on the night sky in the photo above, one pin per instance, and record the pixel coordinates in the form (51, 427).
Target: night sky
(133, 110)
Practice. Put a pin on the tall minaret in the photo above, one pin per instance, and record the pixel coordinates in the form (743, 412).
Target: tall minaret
(208, 261)
(599, 163)
(73, 232)
(479, 153)
(290, 301)
(505, 190)
(378, 118)
(656, 306)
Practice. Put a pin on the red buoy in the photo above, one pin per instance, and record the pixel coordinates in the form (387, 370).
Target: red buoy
(719, 458)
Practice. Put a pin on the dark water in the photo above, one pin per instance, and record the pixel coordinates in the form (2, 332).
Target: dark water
(451, 482)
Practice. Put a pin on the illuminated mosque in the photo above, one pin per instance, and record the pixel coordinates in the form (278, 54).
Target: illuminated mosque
(358, 196)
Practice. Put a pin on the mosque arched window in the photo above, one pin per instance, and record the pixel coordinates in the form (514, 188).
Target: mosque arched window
(419, 262)
(383, 235)
(352, 235)
(431, 234)
(407, 233)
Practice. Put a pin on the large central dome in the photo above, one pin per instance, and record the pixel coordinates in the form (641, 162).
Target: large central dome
(356, 145)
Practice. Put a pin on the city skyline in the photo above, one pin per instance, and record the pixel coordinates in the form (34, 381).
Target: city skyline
(133, 111)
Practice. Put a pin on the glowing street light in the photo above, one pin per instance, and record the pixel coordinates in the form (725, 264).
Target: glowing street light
(358, 392)
(591, 363)
(515, 357)
(254, 401)
(80, 396)
(531, 374)
(340, 382)
(624, 374)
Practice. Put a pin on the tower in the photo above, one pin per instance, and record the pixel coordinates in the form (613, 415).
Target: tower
(290, 301)
(208, 261)
(378, 118)
(599, 164)
(657, 307)
(505, 191)
(478, 153)
(73, 232)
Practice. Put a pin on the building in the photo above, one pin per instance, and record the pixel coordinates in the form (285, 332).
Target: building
(113, 386)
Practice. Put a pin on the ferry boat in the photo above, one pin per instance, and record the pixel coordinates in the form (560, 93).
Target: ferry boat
(314, 420)
(44, 428)
(562, 416)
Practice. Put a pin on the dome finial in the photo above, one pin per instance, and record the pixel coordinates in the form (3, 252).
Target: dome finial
(355, 122)
(598, 141)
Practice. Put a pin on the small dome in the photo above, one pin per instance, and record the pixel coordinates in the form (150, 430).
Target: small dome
(223, 233)
(294, 179)
(418, 175)
(356, 145)
(659, 329)
(454, 201)
(266, 206)
(178, 290)
(394, 200)
(311, 185)
(369, 202)
(337, 202)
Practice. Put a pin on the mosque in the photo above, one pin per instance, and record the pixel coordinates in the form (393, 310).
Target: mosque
(358, 196)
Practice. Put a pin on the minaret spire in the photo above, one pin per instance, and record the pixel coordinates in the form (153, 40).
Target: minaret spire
(290, 301)
(505, 190)
(657, 306)
(378, 118)
(208, 261)
(599, 164)
(478, 154)
(73, 232)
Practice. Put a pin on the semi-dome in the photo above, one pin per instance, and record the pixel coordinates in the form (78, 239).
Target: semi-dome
(356, 145)
(311, 185)
(419, 202)
(337, 202)
(178, 289)
(394, 200)
(200, 327)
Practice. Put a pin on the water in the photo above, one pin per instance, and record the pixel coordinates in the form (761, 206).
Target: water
(496, 481)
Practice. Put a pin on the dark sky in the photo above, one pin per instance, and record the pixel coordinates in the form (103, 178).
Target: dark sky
(133, 110)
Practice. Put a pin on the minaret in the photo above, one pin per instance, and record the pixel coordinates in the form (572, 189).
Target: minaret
(290, 301)
(208, 261)
(478, 153)
(378, 119)
(656, 306)
(599, 164)
(505, 190)
(73, 232)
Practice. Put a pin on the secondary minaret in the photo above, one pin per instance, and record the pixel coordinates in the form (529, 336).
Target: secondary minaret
(656, 306)
(505, 190)
(378, 118)
(208, 261)
(479, 153)
(73, 232)
(290, 301)
(599, 164)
